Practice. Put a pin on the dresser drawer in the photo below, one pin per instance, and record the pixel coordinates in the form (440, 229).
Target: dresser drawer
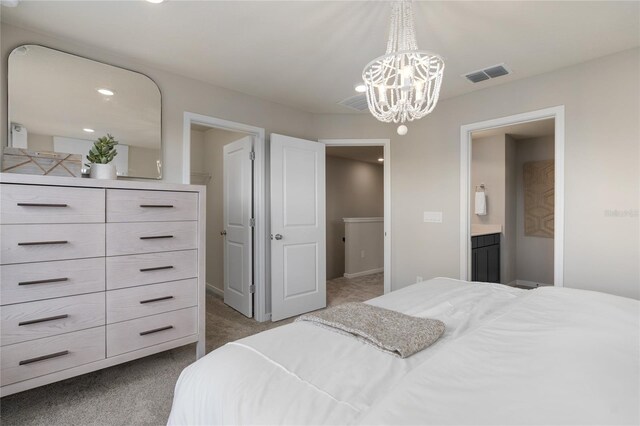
(142, 301)
(140, 333)
(50, 204)
(134, 238)
(34, 320)
(27, 282)
(144, 206)
(39, 357)
(141, 269)
(37, 243)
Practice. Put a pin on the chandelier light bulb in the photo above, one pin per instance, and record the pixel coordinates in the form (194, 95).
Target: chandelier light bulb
(419, 91)
(402, 130)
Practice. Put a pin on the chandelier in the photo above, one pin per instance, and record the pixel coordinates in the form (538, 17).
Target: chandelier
(404, 84)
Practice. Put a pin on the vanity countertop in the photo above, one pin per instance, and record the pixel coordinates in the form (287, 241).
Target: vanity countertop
(482, 229)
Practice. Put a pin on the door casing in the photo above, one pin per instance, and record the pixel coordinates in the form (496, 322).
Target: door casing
(556, 113)
(261, 269)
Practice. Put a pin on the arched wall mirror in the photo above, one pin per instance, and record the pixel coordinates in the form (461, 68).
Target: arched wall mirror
(62, 103)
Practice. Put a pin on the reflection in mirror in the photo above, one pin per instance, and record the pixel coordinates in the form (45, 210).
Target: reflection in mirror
(62, 103)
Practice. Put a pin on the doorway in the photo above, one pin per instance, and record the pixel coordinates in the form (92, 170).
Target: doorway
(512, 204)
(512, 199)
(355, 144)
(228, 158)
(354, 223)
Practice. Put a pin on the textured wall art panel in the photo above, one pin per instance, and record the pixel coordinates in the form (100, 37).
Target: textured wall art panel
(539, 194)
(16, 160)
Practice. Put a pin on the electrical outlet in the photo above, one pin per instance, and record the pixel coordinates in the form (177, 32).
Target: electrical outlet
(419, 279)
(362, 254)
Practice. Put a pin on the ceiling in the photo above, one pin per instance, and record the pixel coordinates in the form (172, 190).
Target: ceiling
(368, 154)
(309, 54)
(55, 94)
(531, 129)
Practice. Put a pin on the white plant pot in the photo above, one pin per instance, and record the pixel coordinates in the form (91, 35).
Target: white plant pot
(103, 171)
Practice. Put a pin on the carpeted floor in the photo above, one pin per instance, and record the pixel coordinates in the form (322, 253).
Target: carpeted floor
(140, 392)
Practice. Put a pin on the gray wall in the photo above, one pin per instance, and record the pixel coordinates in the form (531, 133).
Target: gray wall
(534, 254)
(601, 171)
(354, 189)
(508, 257)
(488, 167)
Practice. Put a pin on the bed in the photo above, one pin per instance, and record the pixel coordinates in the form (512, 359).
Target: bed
(508, 356)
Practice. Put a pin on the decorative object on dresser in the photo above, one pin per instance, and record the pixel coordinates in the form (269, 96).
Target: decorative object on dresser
(96, 273)
(22, 161)
(100, 157)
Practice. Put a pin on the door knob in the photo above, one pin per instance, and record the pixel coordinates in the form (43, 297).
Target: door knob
(278, 237)
(223, 232)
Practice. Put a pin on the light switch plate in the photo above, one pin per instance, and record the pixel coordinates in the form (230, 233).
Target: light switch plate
(433, 217)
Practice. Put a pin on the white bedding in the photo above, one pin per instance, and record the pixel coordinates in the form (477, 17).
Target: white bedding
(508, 356)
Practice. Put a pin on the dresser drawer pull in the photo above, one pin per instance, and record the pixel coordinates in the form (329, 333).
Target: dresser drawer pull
(41, 205)
(157, 268)
(155, 330)
(40, 243)
(43, 357)
(156, 237)
(157, 299)
(157, 206)
(36, 321)
(52, 280)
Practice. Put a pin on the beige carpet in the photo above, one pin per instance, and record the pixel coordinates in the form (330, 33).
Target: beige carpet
(140, 392)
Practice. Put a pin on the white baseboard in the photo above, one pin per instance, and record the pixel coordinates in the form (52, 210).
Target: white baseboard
(215, 290)
(363, 273)
(526, 283)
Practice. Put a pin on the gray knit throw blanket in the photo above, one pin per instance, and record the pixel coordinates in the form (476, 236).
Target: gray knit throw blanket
(390, 331)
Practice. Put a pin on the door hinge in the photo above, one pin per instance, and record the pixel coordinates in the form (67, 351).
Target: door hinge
(252, 155)
(252, 288)
(252, 222)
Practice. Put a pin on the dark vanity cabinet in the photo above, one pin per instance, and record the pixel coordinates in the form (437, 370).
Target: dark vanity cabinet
(485, 258)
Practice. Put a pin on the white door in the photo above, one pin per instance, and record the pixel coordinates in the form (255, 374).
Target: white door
(297, 227)
(236, 218)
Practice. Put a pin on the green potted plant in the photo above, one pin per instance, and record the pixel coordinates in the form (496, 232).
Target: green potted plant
(100, 156)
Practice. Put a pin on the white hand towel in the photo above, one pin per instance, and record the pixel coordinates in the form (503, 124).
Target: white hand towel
(481, 203)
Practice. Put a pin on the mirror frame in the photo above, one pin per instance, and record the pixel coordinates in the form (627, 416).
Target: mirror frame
(161, 169)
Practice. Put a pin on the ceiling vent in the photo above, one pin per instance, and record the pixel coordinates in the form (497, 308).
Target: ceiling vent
(357, 102)
(487, 73)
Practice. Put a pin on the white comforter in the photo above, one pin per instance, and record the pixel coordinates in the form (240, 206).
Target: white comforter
(508, 356)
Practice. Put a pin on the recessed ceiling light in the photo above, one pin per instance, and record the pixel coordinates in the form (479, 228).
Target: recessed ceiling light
(360, 87)
(106, 92)
(381, 159)
(88, 130)
(155, 1)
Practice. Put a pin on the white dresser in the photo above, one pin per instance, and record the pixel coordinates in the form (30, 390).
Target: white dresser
(95, 273)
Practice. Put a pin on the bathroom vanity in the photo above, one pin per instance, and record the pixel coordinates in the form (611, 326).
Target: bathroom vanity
(485, 257)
